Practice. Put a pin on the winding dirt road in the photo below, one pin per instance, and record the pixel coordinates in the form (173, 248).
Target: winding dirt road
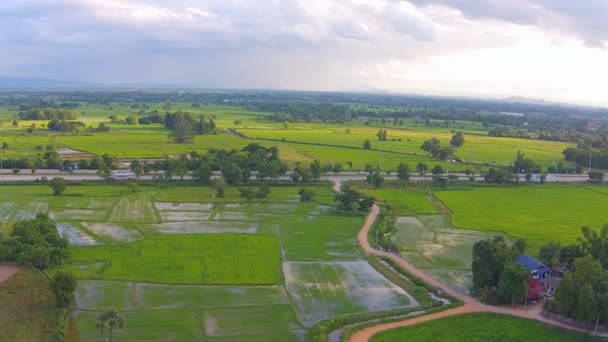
(470, 304)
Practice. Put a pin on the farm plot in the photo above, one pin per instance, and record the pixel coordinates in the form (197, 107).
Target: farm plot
(536, 213)
(429, 243)
(112, 231)
(101, 294)
(184, 259)
(136, 207)
(325, 289)
(75, 236)
(480, 327)
(193, 227)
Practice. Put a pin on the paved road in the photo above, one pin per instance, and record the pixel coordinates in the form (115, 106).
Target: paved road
(6, 175)
(470, 304)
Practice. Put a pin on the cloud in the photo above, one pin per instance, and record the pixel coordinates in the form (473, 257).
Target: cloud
(403, 46)
(585, 19)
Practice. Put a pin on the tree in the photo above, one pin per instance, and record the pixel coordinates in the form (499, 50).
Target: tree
(457, 139)
(108, 321)
(512, 283)
(219, 186)
(316, 170)
(63, 284)
(498, 176)
(422, 168)
(35, 242)
(437, 170)
(306, 195)
(247, 193)
(382, 135)
(489, 259)
(549, 253)
(596, 176)
(432, 147)
(132, 186)
(367, 145)
(232, 173)
(377, 179)
(570, 253)
(525, 165)
(136, 167)
(337, 168)
(104, 171)
(403, 172)
(202, 174)
(182, 129)
(581, 294)
(350, 200)
(58, 185)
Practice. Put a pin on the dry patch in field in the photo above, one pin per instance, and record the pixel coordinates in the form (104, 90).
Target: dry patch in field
(184, 206)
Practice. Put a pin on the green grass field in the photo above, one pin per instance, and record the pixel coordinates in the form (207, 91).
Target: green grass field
(480, 328)
(536, 213)
(184, 259)
(404, 201)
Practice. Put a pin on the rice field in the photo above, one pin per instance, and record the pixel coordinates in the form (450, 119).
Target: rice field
(299, 142)
(179, 264)
(536, 213)
(480, 328)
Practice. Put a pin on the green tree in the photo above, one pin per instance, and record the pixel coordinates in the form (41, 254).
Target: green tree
(136, 167)
(422, 168)
(132, 186)
(377, 179)
(432, 147)
(232, 173)
(457, 139)
(202, 174)
(247, 193)
(58, 185)
(219, 186)
(403, 172)
(306, 195)
(549, 253)
(182, 129)
(316, 170)
(63, 284)
(512, 282)
(107, 322)
(489, 259)
(367, 145)
(337, 168)
(437, 170)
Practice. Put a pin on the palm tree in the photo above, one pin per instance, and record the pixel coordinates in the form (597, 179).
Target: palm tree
(109, 320)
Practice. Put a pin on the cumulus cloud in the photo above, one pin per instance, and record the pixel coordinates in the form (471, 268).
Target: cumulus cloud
(294, 44)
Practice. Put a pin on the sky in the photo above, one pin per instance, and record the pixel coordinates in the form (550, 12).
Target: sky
(542, 49)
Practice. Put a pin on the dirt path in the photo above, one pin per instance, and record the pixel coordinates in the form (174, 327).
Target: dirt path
(470, 304)
(6, 271)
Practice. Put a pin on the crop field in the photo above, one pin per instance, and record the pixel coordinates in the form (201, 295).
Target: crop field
(189, 259)
(536, 213)
(180, 264)
(303, 142)
(404, 201)
(326, 289)
(480, 328)
(27, 308)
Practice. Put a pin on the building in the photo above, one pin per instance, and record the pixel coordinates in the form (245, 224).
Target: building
(534, 289)
(537, 269)
(551, 283)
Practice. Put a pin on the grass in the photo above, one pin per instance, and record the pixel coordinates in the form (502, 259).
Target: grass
(404, 201)
(27, 308)
(480, 328)
(184, 259)
(536, 213)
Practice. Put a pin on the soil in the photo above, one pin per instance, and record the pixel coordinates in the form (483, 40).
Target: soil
(7, 270)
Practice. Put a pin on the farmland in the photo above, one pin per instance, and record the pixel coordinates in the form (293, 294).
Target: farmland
(478, 328)
(298, 142)
(536, 213)
(183, 265)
